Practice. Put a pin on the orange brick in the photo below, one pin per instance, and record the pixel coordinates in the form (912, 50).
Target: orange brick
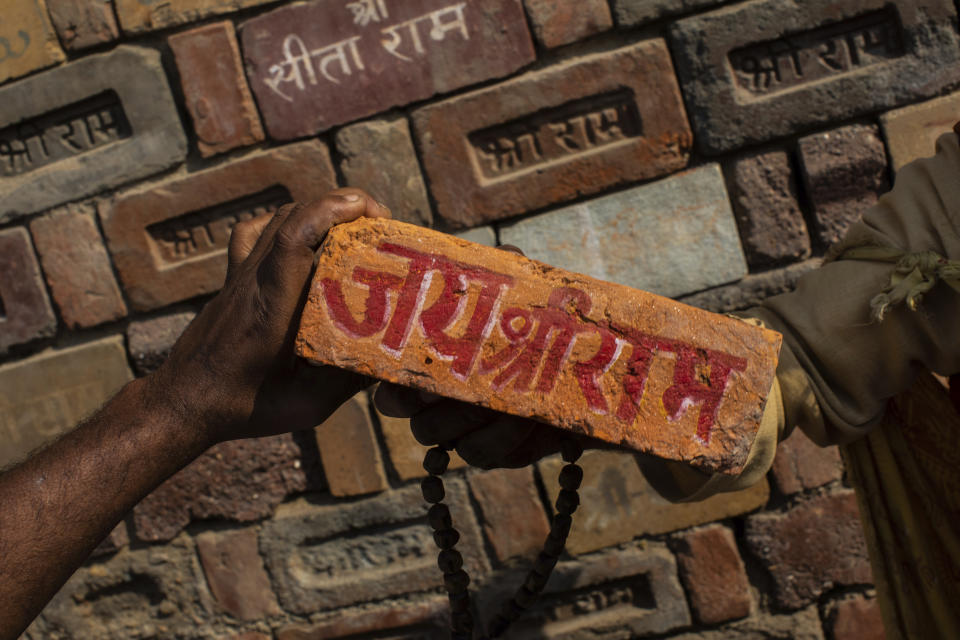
(470, 322)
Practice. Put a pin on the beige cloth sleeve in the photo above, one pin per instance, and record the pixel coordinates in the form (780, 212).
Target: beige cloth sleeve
(838, 367)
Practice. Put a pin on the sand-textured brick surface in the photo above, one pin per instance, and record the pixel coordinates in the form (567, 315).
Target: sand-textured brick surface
(912, 132)
(25, 311)
(429, 310)
(28, 39)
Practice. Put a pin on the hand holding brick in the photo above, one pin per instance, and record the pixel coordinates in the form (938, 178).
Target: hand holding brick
(431, 311)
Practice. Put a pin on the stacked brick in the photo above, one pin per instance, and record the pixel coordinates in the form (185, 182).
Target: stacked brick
(708, 150)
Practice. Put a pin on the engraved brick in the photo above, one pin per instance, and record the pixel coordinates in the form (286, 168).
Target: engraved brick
(240, 480)
(28, 40)
(765, 202)
(912, 132)
(138, 16)
(44, 396)
(627, 593)
(406, 454)
(83, 23)
(855, 617)
(696, 381)
(631, 13)
(150, 341)
(800, 464)
(650, 237)
(315, 65)
(234, 570)
(752, 290)
(559, 22)
(617, 503)
(845, 171)
(811, 548)
(511, 511)
(93, 124)
(349, 452)
(426, 619)
(77, 268)
(169, 242)
(553, 135)
(215, 89)
(763, 69)
(25, 312)
(714, 574)
(330, 556)
(379, 157)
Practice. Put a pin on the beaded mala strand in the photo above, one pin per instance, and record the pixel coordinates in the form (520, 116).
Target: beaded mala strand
(456, 580)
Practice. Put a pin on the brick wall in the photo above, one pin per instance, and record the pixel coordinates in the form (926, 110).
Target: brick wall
(702, 149)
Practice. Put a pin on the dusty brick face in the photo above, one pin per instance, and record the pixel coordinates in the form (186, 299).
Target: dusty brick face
(760, 70)
(800, 464)
(802, 625)
(912, 132)
(31, 41)
(406, 454)
(586, 387)
(845, 171)
(83, 23)
(380, 58)
(617, 504)
(379, 157)
(215, 88)
(811, 548)
(349, 451)
(150, 341)
(24, 305)
(631, 13)
(511, 511)
(557, 23)
(234, 571)
(426, 619)
(240, 480)
(169, 242)
(137, 16)
(855, 618)
(553, 135)
(764, 196)
(77, 268)
(714, 574)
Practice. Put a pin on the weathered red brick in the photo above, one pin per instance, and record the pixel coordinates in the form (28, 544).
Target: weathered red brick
(235, 573)
(315, 65)
(845, 171)
(215, 89)
(553, 135)
(714, 574)
(704, 377)
(432, 613)
(24, 306)
(169, 241)
(560, 22)
(811, 548)
(83, 23)
(855, 618)
(406, 454)
(349, 451)
(511, 512)
(800, 464)
(77, 268)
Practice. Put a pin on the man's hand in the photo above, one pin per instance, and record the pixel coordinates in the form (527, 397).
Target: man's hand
(234, 373)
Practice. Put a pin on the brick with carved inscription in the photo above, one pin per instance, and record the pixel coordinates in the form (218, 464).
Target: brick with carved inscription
(485, 326)
(215, 88)
(93, 124)
(319, 64)
(169, 242)
(763, 69)
(553, 135)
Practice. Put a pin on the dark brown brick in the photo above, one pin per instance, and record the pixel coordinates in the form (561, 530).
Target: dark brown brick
(511, 511)
(150, 341)
(215, 89)
(753, 289)
(235, 573)
(83, 23)
(845, 171)
(428, 617)
(349, 451)
(406, 454)
(138, 16)
(855, 618)
(393, 53)
(77, 268)
(714, 574)
(800, 464)
(559, 22)
(549, 136)
(811, 548)
(24, 307)
(765, 203)
(169, 241)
